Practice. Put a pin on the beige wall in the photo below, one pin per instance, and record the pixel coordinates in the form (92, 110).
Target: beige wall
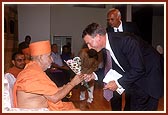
(34, 20)
(44, 21)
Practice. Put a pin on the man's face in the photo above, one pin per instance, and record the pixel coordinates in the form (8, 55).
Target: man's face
(27, 40)
(113, 19)
(46, 61)
(65, 50)
(55, 49)
(19, 61)
(93, 42)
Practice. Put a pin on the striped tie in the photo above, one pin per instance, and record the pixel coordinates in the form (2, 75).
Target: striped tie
(108, 65)
(108, 94)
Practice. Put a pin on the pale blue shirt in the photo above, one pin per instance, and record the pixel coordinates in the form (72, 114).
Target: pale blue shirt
(57, 58)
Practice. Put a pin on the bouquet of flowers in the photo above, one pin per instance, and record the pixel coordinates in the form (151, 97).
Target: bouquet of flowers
(75, 65)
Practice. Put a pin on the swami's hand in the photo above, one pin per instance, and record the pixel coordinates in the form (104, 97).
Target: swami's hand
(77, 79)
(111, 85)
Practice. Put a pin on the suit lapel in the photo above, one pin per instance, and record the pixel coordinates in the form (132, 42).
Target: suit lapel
(115, 49)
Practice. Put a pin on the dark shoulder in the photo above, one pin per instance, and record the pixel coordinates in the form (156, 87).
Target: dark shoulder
(23, 45)
(131, 27)
(130, 24)
(120, 35)
(110, 29)
(122, 38)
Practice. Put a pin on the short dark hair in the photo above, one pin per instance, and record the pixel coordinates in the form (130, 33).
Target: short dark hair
(65, 46)
(15, 54)
(52, 45)
(93, 29)
(28, 37)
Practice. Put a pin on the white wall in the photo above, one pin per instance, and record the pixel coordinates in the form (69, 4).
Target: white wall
(41, 22)
(70, 21)
(34, 20)
(44, 21)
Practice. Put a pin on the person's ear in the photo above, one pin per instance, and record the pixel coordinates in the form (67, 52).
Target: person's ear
(13, 62)
(40, 57)
(97, 36)
(119, 17)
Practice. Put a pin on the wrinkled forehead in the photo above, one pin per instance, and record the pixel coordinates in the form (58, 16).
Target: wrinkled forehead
(46, 55)
(112, 14)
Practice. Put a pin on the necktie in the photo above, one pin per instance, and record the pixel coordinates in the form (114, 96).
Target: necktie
(108, 65)
(108, 94)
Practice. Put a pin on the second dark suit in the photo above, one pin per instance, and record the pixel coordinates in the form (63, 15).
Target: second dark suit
(128, 27)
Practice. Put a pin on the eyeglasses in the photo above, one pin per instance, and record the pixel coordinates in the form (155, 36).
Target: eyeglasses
(20, 60)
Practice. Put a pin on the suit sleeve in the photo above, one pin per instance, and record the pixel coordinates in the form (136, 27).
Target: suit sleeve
(133, 62)
(100, 74)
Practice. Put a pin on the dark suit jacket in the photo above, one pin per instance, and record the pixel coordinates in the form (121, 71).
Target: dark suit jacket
(128, 27)
(141, 63)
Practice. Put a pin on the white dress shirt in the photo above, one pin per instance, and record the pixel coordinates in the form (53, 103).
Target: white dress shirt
(113, 75)
(120, 28)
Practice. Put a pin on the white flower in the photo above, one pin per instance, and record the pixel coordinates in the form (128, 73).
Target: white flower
(75, 65)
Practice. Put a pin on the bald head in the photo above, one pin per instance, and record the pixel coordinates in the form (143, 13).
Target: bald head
(114, 11)
(114, 17)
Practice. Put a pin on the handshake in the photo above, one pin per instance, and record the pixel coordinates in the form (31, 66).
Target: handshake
(75, 65)
(86, 63)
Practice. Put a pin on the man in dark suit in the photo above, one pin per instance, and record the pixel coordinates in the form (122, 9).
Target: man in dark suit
(138, 63)
(115, 24)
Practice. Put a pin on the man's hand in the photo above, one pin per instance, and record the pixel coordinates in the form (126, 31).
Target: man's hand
(111, 85)
(89, 77)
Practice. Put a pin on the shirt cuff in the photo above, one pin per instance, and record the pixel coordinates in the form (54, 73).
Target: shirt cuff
(96, 78)
(119, 86)
(120, 89)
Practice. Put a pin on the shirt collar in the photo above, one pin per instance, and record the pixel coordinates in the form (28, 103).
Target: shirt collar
(107, 43)
(120, 28)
